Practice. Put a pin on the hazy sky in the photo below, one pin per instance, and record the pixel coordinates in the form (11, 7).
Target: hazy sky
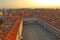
(29, 3)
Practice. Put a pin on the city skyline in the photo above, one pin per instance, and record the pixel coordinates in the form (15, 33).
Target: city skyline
(29, 4)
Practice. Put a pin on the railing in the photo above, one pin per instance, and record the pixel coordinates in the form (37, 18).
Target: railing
(51, 28)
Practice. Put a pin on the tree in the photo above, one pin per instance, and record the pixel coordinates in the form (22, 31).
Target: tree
(1, 21)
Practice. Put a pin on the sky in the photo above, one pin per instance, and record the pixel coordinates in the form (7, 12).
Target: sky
(29, 3)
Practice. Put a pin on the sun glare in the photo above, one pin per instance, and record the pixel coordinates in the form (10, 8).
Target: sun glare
(47, 2)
